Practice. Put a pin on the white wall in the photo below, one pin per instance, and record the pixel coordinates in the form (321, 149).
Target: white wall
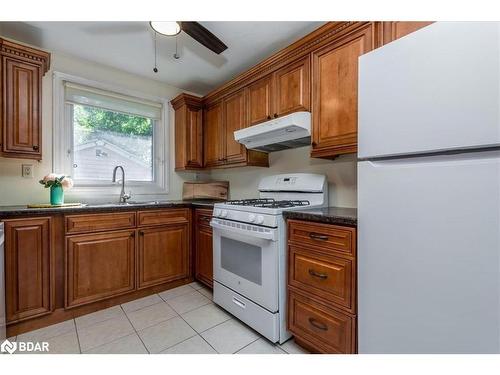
(17, 190)
(341, 174)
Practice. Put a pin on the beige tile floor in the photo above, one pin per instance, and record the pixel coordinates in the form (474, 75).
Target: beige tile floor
(183, 320)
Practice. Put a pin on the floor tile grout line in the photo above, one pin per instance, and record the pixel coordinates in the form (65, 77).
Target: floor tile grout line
(250, 343)
(102, 321)
(136, 332)
(77, 336)
(194, 290)
(199, 334)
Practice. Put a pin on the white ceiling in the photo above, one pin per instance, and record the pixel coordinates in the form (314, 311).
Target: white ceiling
(129, 46)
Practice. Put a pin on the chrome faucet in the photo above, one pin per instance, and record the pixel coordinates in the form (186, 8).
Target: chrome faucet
(123, 196)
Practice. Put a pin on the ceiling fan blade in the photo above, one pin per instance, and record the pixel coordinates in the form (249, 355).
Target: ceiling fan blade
(202, 35)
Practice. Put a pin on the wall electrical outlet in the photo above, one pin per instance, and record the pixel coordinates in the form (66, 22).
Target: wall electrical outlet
(27, 171)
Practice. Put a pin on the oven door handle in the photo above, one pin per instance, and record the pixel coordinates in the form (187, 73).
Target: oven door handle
(269, 235)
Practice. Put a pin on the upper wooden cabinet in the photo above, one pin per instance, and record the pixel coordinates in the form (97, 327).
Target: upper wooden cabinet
(285, 91)
(22, 69)
(28, 268)
(188, 132)
(234, 119)
(221, 120)
(335, 93)
(213, 133)
(293, 88)
(392, 30)
(260, 98)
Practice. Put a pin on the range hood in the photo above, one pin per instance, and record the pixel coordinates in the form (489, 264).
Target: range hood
(290, 131)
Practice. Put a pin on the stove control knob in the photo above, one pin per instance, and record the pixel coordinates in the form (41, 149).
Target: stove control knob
(251, 218)
(223, 213)
(217, 212)
(260, 219)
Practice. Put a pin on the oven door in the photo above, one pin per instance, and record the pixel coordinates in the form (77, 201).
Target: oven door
(246, 260)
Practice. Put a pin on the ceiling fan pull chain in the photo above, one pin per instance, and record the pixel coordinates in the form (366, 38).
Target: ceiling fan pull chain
(155, 69)
(176, 55)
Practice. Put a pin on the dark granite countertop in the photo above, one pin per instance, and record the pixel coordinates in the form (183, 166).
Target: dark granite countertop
(327, 215)
(12, 211)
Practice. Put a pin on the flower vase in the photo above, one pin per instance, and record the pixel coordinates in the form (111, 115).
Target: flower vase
(56, 195)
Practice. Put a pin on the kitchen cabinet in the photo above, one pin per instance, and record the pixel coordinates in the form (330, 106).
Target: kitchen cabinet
(260, 98)
(221, 120)
(29, 280)
(188, 132)
(99, 266)
(322, 286)
(234, 119)
(213, 132)
(335, 93)
(285, 91)
(203, 247)
(292, 88)
(392, 30)
(163, 254)
(22, 69)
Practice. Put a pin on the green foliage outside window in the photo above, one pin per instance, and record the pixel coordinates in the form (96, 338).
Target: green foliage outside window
(92, 118)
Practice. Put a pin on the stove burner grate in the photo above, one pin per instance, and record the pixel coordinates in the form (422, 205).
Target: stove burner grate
(269, 203)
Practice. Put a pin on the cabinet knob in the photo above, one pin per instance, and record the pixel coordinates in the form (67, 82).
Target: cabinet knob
(35, 148)
(269, 117)
(314, 144)
(275, 115)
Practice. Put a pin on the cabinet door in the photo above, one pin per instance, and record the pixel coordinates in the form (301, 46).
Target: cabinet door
(397, 29)
(163, 254)
(21, 109)
(194, 138)
(234, 119)
(260, 100)
(335, 94)
(293, 88)
(214, 135)
(99, 266)
(204, 249)
(28, 268)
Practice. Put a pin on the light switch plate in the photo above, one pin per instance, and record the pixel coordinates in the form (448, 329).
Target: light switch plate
(27, 171)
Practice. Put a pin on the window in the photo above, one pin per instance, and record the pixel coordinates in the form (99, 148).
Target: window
(103, 139)
(98, 128)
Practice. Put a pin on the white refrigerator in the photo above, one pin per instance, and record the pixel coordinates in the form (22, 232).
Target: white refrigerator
(429, 192)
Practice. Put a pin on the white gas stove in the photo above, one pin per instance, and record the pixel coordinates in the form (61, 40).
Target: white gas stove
(250, 250)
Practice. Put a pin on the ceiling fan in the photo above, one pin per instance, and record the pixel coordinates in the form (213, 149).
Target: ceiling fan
(194, 29)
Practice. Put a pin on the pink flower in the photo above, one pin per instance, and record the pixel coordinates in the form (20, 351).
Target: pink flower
(67, 183)
(51, 177)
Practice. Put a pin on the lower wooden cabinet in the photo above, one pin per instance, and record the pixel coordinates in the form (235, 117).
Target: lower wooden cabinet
(28, 268)
(319, 326)
(163, 254)
(203, 247)
(322, 286)
(99, 266)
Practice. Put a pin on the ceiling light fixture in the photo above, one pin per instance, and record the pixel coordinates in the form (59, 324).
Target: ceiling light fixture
(169, 28)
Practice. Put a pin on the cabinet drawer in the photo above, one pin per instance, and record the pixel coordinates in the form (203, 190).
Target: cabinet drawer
(99, 222)
(203, 217)
(161, 217)
(328, 330)
(325, 236)
(327, 277)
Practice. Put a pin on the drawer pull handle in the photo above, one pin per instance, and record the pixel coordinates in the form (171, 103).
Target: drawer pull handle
(316, 236)
(318, 325)
(239, 303)
(318, 275)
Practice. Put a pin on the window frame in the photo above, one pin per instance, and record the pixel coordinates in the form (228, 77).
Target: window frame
(63, 143)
